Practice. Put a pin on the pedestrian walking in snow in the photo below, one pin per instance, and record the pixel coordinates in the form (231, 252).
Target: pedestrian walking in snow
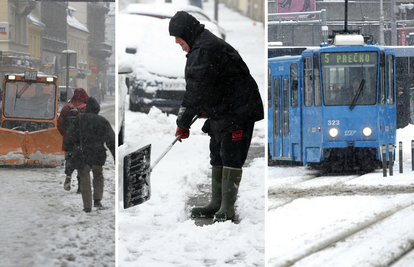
(78, 101)
(92, 132)
(218, 84)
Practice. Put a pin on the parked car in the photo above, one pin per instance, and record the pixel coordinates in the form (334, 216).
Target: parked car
(157, 63)
(168, 10)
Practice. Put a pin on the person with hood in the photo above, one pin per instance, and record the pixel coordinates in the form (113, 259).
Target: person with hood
(78, 100)
(92, 132)
(220, 87)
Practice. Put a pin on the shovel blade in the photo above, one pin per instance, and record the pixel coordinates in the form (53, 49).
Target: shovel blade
(137, 170)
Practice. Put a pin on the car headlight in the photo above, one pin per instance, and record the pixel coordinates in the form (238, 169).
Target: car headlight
(333, 132)
(367, 131)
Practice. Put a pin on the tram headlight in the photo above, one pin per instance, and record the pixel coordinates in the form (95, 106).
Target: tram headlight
(333, 132)
(367, 131)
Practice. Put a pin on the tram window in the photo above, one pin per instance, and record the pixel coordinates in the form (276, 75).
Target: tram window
(316, 80)
(275, 107)
(381, 94)
(269, 88)
(285, 107)
(307, 69)
(390, 79)
(294, 85)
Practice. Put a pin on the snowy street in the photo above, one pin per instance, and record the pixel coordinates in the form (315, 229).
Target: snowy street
(44, 225)
(341, 220)
(159, 232)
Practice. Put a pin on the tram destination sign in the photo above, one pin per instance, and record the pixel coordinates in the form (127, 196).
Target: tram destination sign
(347, 58)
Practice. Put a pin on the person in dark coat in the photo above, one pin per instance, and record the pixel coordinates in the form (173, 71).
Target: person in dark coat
(78, 100)
(218, 84)
(91, 131)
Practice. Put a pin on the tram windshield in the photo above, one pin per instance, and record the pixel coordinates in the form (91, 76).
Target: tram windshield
(342, 75)
(29, 100)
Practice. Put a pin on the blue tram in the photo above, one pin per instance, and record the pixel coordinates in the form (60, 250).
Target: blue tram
(333, 106)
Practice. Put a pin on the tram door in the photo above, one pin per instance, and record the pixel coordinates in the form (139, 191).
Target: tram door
(281, 127)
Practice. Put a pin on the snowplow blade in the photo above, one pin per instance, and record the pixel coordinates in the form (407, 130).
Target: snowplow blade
(39, 148)
(137, 170)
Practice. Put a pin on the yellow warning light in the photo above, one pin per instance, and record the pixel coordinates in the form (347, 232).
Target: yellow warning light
(49, 79)
(12, 77)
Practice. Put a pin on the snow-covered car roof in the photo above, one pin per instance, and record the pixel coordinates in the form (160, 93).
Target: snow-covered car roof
(156, 51)
(168, 10)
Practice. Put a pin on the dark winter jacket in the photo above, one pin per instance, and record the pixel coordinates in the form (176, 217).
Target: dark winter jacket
(94, 131)
(218, 81)
(78, 100)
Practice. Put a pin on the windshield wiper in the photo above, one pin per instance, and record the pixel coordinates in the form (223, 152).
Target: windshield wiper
(21, 92)
(361, 87)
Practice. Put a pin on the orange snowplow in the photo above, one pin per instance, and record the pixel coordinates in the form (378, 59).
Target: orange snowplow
(28, 132)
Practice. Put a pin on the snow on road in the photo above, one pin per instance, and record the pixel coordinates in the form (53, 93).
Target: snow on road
(346, 220)
(44, 225)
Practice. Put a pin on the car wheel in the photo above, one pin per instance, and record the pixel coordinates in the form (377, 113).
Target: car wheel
(133, 106)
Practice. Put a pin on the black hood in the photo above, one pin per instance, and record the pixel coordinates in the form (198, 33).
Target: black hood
(185, 26)
(92, 106)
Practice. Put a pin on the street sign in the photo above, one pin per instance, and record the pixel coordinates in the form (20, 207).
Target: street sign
(94, 68)
(68, 59)
(73, 72)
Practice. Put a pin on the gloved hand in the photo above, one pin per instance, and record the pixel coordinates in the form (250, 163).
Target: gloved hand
(202, 115)
(186, 133)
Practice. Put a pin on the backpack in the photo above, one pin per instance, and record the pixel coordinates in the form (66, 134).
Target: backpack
(71, 115)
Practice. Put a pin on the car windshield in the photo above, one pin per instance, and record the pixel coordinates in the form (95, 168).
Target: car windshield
(29, 100)
(342, 75)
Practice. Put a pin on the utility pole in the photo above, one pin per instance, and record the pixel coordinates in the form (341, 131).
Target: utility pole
(381, 24)
(346, 17)
(216, 2)
(393, 24)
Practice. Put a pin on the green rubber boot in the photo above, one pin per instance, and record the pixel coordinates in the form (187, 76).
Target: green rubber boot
(230, 187)
(210, 209)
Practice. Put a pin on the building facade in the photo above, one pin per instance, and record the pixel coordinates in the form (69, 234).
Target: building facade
(14, 40)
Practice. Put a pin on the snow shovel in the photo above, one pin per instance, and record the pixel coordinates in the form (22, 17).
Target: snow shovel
(137, 170)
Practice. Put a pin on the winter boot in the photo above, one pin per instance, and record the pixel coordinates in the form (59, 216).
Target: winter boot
(210, 209)
(98, 205)
(230, 187)
(66, 184)
(87, 210)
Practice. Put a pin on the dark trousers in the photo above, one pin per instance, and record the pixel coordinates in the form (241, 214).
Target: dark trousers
(98, 184)
(232, 149)
(68, 168)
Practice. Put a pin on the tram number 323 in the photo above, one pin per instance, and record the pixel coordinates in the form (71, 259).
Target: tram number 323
(333, 122)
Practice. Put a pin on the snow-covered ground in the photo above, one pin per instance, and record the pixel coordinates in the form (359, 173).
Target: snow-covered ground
(347, 220)
(159, 232)
(44, 225)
